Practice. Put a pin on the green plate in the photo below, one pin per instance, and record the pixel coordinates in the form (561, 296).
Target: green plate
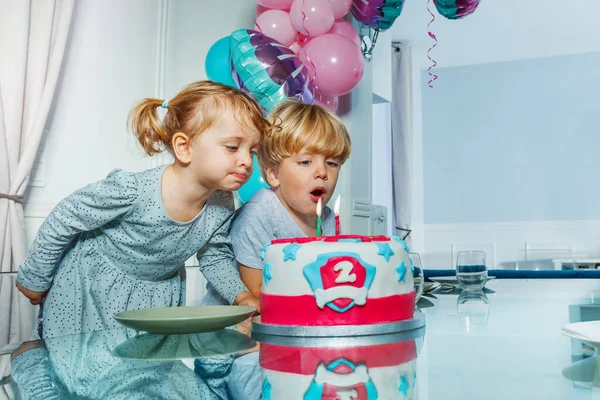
(150, 346)
(166, 320)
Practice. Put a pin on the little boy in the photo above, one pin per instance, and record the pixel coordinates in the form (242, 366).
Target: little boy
(300, 159)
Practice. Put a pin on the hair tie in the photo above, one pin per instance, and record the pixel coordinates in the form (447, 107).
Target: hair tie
(161, 110)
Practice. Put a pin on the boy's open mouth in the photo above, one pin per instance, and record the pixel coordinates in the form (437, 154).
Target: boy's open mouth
(317, 193)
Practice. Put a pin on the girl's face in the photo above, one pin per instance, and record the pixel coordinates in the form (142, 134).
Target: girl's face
(221, 156)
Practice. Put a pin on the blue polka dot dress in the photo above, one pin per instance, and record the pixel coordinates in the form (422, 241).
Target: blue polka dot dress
(85, 367)
(111, 247)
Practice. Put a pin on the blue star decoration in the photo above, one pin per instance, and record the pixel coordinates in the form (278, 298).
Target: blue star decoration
(289, 251)
(267, 273)
(266, 390)
(263, 251)
(403, 388)
(402, 242)
(385, 250)
(401, 270)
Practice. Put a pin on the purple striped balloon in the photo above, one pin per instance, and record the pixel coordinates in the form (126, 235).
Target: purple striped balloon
(456, 9)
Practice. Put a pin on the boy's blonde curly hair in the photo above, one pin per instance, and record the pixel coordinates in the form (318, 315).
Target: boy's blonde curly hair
(296, 126)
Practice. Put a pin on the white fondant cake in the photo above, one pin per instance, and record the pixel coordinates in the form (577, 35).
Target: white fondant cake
(336, 280)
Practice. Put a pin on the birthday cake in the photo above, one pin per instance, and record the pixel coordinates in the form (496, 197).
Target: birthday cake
(386, 371)
(336, 280)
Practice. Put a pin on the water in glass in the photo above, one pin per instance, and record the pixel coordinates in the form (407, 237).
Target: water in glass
(471, 271)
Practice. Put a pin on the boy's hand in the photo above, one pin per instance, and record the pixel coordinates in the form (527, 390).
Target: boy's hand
(247, 299)
(34, 297)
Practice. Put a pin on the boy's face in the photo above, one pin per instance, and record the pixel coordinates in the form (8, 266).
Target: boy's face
(302, 179)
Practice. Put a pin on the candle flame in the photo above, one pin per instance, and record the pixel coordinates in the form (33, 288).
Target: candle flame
(319, 207)
(336, 207)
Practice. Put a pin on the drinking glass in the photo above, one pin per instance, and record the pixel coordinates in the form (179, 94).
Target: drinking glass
(471, 272)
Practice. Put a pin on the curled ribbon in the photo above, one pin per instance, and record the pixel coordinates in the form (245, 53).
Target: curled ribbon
(431, 35)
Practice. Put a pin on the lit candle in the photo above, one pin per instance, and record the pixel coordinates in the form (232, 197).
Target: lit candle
(336, 210)
(319, 207)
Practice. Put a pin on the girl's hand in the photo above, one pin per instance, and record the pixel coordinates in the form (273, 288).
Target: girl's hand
(34, 297)
(247, 299)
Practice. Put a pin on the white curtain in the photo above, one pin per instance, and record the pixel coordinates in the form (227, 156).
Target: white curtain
(33, 36)
(402, 143)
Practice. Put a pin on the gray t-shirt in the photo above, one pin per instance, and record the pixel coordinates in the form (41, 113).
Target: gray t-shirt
(262, 219)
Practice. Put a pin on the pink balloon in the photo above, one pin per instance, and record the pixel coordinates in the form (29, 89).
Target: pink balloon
(335, 64)
(345, 29)
(340, 7)
(276, 24)
(329, 102)
(276, 4)
(312, 17)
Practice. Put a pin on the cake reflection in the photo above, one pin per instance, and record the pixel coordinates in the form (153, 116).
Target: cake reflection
(359, 368)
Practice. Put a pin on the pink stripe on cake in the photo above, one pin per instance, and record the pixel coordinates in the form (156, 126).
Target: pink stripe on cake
(304, 360)
(303, 311)
(329, 239)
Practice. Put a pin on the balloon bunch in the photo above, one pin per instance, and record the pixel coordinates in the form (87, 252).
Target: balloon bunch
(456, 9)
(327, 45)
(301, 49)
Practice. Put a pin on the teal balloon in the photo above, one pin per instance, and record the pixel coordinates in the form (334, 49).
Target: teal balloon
(268, 71)
(254, 184)
(218, 63)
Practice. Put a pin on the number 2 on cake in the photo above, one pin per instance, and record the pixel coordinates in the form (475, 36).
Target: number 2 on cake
(345, 275)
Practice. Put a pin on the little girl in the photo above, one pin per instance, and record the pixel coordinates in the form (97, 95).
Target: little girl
(121, 243)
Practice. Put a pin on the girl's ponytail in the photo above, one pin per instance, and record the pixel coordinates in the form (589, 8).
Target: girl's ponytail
(148, 126)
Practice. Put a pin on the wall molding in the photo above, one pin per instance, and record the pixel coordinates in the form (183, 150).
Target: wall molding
(507, 242)
(161, 67)
(517, 225)
(361, 208)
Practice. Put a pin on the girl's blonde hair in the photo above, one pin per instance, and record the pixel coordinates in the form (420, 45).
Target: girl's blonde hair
(192, 111)
(295, 126)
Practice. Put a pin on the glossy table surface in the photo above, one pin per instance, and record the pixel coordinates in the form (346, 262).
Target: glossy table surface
(504, 343)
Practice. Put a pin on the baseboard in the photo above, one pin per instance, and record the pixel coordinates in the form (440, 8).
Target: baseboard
(504, 242)
(517, 225)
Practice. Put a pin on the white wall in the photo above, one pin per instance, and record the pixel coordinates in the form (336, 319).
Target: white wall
(110, 63)
(502, 31)
(381, 174)
(382, 66)
(498, 31)
(193, 27)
